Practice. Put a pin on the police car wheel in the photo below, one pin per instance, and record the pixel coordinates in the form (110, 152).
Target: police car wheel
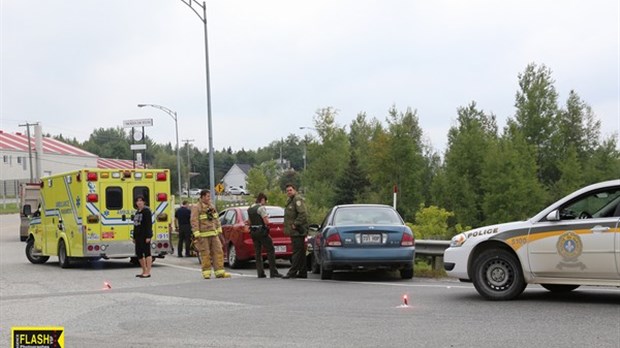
(559, 287)
(498, 275)
(34, 258)
(63, 259)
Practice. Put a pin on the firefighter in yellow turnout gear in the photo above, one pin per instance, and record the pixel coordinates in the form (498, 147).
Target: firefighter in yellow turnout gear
(206, 229)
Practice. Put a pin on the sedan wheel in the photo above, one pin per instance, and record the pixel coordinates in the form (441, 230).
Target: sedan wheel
(325, 273)
(314, 266)
(498, 275)
(406, 273)
(233, 262)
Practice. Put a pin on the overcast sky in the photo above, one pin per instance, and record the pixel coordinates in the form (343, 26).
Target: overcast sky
(77, 65)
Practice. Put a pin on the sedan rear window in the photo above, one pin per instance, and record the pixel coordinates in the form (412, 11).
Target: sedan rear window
(366, 216)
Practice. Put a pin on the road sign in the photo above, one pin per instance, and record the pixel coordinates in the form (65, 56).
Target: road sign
(137, 147)
(219, 188)
(145, 122)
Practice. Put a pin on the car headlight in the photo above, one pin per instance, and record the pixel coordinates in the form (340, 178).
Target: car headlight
(458, 240)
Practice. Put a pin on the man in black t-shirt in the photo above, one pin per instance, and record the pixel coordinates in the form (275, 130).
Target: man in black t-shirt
(184, 227)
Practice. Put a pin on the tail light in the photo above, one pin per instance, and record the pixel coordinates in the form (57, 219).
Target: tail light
(91, 176)
(162, 197)
(161, 176)
(92, 197)
(333, 240)
(126, 174)
(407, 240)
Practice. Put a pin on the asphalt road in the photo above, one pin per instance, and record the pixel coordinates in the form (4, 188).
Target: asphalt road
(176, 308)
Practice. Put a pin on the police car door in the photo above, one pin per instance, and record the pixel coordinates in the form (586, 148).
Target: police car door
(580, 241)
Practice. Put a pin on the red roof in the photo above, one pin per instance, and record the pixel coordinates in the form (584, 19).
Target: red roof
(108, 163)
(19, 142)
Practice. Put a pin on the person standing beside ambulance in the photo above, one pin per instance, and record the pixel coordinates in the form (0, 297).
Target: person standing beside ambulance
(206, 230)
(142, 234)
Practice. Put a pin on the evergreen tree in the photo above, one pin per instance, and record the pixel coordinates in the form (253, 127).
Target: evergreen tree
(468, 144)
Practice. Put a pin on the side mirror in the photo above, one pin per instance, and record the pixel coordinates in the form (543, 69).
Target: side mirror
(27, 210)
(554, 216)
(314, 227)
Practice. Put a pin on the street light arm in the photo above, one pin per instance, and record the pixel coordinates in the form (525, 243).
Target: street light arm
(172, 114)
(189, 3)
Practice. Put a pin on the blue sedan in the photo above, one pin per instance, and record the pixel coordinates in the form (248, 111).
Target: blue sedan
(362, 237)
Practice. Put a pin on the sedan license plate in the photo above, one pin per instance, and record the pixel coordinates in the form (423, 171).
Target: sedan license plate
(371, 238)
(280, 248)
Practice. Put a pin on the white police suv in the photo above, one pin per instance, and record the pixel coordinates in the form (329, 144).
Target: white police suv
(575, 241)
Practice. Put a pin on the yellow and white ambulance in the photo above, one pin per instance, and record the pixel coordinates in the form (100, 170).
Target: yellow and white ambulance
(88, 214)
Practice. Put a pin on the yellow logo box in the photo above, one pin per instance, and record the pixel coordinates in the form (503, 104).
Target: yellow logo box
(35, 336)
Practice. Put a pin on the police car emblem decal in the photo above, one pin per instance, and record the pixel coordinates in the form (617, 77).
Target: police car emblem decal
(569, 246)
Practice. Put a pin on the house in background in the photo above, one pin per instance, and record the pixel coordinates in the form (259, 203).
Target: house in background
(237, 176)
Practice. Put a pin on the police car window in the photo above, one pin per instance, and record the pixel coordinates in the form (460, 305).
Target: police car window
(597, 204)
(114, 198)
(141, 191)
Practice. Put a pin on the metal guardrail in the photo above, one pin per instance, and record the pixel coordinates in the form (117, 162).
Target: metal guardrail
(434, 249)
(431, 247)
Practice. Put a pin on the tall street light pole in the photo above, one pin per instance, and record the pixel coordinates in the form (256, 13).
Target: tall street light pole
(203, 18)
(172, 114)
(306, 146)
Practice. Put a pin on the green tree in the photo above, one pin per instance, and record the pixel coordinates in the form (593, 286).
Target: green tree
(352, 182)
(571, 175)
(326, 160)
(432, 223)
(511, 188)
(109, 143)
(468, 144)
(398, 160)
(536, 103)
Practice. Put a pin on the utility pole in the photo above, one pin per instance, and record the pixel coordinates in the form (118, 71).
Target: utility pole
(27, 125)
(189, 166)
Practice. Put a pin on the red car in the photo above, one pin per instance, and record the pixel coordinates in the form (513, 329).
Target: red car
(239, 248)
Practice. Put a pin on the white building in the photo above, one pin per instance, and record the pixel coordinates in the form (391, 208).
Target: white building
(237, 176)
(53, 157)
(48, 156)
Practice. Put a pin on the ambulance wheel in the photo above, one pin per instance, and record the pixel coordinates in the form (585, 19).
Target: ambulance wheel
(134, 261)
(559, 287)
(30, 253)
(498, 275)
(63, 259)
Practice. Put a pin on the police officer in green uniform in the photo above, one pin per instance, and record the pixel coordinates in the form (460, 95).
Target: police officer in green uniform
(296, 226)
(259, 231)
